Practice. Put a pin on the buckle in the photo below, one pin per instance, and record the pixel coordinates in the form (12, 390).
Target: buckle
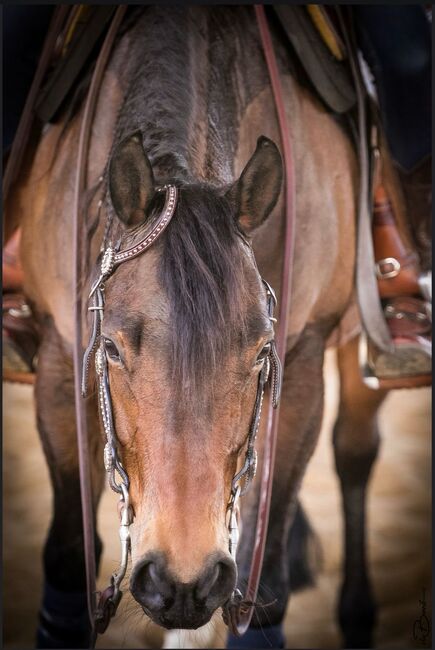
(386, 268)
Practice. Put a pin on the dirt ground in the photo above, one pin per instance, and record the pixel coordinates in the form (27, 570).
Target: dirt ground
(399, 515)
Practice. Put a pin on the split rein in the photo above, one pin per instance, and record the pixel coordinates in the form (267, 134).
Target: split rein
(238, 610)
(271, 370)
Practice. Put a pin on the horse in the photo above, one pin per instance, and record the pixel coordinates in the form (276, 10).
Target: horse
(186, 100)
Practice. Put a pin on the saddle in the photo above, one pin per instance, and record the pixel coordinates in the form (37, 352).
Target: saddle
(394, 295)
(321, 53)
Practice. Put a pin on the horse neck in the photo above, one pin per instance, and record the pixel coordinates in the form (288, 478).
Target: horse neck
(196, 84)
(197, 70)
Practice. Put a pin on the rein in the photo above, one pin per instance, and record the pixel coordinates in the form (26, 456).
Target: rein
(80, 407)
(238, 610)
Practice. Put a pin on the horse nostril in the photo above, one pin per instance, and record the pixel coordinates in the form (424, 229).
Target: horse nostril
(158, 580)
(151, 587)
(205, 585)
(217, 583)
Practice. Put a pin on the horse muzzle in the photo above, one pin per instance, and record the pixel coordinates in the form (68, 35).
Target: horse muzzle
(174, 604)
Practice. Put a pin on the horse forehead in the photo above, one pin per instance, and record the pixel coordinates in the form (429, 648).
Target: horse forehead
(135, 285)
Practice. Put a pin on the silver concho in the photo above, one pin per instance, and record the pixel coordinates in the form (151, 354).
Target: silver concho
(108, 457)
(250, 473)
(99, 360)
(254, 471)
(107, 261)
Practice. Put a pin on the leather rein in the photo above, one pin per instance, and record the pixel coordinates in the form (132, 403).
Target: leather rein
(238, 610)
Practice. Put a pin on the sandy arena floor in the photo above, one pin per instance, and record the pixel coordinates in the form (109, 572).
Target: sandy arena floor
(399, 513)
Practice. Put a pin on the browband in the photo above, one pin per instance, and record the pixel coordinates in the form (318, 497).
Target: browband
(112, 258)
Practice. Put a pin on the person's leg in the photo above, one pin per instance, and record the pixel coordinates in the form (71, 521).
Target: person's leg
(396, 43)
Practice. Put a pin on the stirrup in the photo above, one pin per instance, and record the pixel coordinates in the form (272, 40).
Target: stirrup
(20, 340)
(406, 298)
(409, 365)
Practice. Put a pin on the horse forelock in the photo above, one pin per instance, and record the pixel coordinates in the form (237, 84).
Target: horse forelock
(203, 272)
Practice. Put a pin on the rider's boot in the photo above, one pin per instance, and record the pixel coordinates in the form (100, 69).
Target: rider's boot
(405, 291)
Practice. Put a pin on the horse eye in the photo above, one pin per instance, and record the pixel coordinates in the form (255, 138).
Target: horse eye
(263, 354)
(112, 350)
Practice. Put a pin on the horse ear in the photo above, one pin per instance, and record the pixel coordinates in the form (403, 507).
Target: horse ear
(131, 180)
(257, 190)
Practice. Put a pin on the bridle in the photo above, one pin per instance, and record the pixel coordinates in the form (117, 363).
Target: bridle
(238, 610)
(112, 258)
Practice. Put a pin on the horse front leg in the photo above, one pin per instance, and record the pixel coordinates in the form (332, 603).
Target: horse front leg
(63, 621)
(356, 444)
(299, 426)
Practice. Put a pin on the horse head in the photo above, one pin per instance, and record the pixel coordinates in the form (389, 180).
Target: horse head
(186, 332)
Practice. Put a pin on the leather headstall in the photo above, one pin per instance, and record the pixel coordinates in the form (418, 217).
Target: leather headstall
(271, 369)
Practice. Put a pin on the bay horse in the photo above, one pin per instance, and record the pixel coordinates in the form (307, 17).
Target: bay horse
(186, 98)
